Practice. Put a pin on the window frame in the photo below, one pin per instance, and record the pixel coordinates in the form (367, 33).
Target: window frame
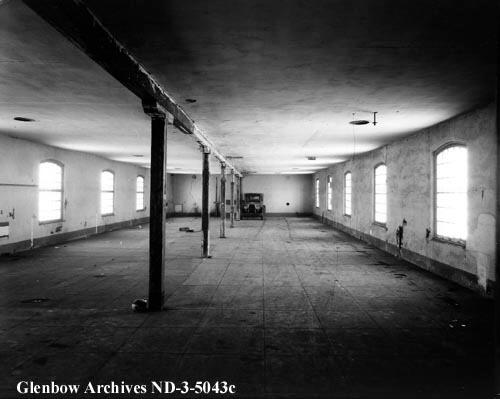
(61, 218)
(374, 210)
(140, 192)
(107, 191)
(316, 193)
(329, 193)
(435, 236)
(345, 194)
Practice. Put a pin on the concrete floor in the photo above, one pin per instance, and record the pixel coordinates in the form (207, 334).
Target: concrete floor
(285, 308)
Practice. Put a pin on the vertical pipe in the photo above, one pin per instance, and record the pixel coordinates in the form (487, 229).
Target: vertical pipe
(238, 199)
(157, 212)
(223, 200)
(217, 204)
(232, 198)
(205, 217)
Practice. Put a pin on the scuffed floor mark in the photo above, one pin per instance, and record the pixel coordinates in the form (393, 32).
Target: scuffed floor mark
(35, 300)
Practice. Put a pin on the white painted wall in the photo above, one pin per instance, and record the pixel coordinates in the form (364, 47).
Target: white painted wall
(19, 161)
(280, 189)
(277, 190)
(410, 192)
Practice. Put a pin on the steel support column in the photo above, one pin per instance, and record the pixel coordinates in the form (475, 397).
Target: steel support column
(223, 200)
(232, 198)
(238, 199)
(157, 206)
(205, 211)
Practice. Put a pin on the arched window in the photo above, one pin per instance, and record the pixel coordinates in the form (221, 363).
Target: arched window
(347, 193)
(451, 192)
(139, 194)
(380, 193)
(107, 192)
(329, 193)
(317, 194)
(50, 191)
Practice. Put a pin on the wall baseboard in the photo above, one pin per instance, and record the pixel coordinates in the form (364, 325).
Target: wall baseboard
(461, 277)
(270, 214)
(58, 238)
(288, 214)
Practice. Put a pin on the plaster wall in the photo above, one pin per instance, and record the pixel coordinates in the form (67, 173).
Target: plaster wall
(410, 194)
(19, 163)
(277, 190)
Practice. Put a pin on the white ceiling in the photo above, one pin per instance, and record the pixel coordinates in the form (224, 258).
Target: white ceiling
(274, 82)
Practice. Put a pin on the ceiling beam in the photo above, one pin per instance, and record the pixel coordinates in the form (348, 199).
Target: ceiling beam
(75, 21)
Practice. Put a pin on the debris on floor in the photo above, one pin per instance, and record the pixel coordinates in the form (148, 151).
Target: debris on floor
(140, 305)
(449, 301)
(455, 323)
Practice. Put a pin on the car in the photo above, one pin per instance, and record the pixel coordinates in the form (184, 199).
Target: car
(253, 206)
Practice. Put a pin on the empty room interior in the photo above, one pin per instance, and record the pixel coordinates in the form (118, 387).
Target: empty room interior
(256, 199)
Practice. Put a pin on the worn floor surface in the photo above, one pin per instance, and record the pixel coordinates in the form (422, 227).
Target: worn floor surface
(285, 308)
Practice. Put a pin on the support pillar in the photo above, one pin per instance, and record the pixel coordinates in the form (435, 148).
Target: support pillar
(222, 200)
(238, 199)
(157, 207)
(232, 198)
(241, 189)
(205, 211)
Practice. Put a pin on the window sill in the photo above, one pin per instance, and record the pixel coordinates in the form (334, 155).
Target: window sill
(346, 215)
(140, 210)
(51, 221)
(444, 240)
(107, 214)
(378, 224)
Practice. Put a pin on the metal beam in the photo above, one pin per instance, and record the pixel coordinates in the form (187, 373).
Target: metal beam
(75, 21)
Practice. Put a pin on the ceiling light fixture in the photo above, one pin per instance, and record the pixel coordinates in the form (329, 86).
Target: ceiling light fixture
(190, 100)
(23, 119)
(359, 122)
(364, 121)
(311, 158)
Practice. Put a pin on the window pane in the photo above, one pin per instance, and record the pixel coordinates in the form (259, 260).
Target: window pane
(451, 193)
(381, 194)
(140, 184)
(347, 193)
(329, 194)
(139, 201)
(139, 197)
(106, 203)
(107, 181)
(50, 192)
(107, 192)
(50, 176)
(49, 205)
(317, 193)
